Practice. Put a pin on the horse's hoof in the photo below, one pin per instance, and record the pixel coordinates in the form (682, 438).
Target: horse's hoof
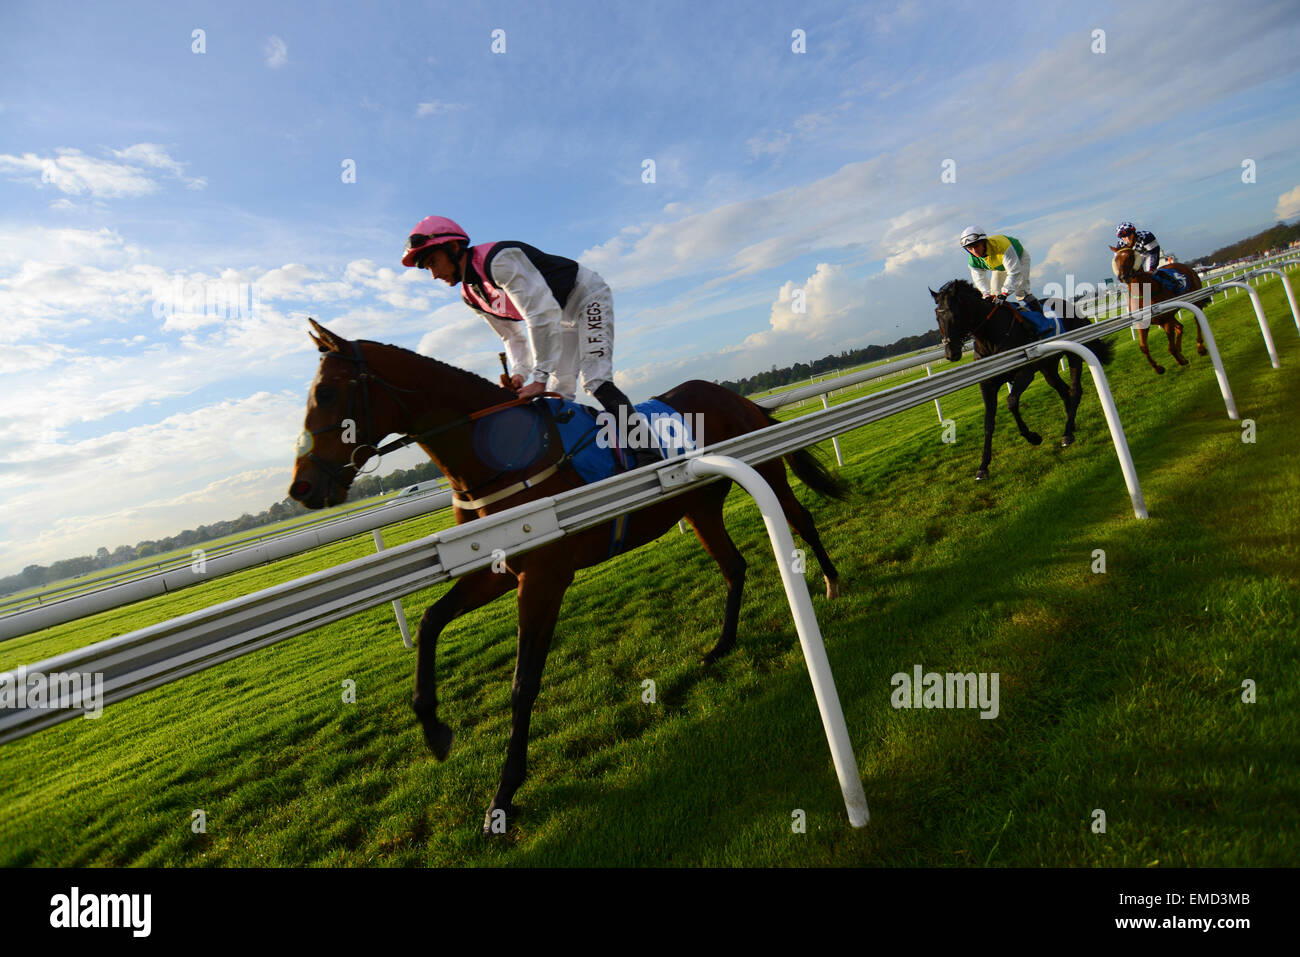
(497, 820)
(1067, 441)
(832, 589)
(1202, 351)
(1033, 438)
(981, 475)
(1182, 361)
(438, 736)
(1160, 370)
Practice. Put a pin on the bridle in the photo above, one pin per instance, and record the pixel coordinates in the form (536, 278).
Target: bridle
(946, 291)
(362, 376)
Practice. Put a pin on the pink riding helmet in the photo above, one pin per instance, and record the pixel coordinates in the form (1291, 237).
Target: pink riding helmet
(431, 231)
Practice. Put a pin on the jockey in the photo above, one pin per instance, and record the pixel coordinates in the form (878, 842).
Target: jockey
(555, 316)
(1144, 244)
(998, 261)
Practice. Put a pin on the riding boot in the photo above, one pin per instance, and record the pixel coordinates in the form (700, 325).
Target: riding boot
(625, 414)
(1032, 302)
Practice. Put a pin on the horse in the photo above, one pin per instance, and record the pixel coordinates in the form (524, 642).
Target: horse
(1122, 265)
(375, 390)
(963, 312)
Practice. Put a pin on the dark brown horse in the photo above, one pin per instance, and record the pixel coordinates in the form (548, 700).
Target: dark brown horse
(1124, 267)
(962, 313)
(365, 391)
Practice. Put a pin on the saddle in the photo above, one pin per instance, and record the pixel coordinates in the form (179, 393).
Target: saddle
(1041, 323)
(1174, 281)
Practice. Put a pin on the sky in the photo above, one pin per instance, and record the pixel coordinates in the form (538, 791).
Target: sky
(708, 160)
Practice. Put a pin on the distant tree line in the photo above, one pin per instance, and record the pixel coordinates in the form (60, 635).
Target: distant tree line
(1275, 237)
(774, 377)
(33, 576)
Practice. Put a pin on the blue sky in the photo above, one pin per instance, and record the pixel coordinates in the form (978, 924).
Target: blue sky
(129, 164)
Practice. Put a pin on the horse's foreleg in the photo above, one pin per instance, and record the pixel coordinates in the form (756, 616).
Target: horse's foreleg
(712, 533)
(542, 584)
(472, 591)
(989, 390)
(1018, 385)
(1142, 344)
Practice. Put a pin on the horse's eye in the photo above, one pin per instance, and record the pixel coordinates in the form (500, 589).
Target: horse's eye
(325, 394)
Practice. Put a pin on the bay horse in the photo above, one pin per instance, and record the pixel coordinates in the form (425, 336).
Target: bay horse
(1138, 282)
(378, 390)
(962, 312)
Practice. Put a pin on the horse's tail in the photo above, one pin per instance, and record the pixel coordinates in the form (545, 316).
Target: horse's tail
(1101, 348)
(808, 468)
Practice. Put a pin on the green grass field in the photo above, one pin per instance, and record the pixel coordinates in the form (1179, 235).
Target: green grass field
(1119, 691)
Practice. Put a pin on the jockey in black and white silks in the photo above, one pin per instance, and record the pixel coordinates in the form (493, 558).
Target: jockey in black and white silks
(1144, 243)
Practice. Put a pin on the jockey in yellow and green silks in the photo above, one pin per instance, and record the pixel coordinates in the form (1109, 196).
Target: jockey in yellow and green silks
(998, 261)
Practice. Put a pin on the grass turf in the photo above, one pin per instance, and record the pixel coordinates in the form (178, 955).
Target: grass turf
(1119, 691)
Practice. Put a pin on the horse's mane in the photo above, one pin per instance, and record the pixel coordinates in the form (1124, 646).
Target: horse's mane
(963, 287)
(439, 366)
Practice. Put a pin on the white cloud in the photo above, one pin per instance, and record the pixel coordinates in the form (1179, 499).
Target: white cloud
(74, 173)
(151, 154)
(1288, 204)
(71, 171)
(276, 52)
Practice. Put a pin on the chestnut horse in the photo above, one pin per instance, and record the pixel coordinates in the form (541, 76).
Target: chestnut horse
(364, 391)
(1123, 265)
(963, 313)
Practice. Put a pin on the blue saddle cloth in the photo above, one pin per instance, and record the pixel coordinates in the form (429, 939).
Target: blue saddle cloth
(1171, 279)
(1046, 325)
(588, 440)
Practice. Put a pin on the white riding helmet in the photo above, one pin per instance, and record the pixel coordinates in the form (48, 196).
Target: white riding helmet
(971, 235)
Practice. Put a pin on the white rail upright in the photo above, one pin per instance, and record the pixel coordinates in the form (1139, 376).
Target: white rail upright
(937, 407)
(1259, 314)
(1211, 347)
(1108, 406)
(805, 620)
(839, 458)
(1290, 296)
(397, 602)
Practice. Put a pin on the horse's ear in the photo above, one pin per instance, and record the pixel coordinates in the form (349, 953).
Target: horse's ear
(1114, 249)
(933, 295)
(325, 340)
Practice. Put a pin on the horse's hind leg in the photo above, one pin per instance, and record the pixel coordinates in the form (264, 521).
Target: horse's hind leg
(1142, 344)
(1018, 385)
(1174, 333)
(801, 521)
(1068, 395)
(712, 533)
(472, 591)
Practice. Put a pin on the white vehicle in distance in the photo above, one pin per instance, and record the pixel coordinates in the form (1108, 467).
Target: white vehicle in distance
(419, 487)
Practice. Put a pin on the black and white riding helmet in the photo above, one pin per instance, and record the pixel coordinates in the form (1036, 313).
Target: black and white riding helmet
(971, 235)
